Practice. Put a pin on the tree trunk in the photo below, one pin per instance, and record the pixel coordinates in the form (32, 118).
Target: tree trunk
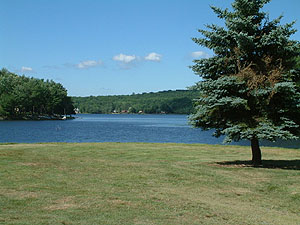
(256, 152)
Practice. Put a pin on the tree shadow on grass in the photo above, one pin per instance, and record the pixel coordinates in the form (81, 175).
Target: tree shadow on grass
(268, 164)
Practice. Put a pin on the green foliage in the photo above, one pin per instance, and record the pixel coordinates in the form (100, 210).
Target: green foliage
(250, 87)
(23, 97)
(179, 102)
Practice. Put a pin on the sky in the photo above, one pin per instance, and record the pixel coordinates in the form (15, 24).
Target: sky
(112, 47)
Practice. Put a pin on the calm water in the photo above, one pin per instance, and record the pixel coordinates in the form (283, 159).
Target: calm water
(113, 128)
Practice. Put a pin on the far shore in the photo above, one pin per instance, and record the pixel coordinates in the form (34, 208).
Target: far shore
(38, 117)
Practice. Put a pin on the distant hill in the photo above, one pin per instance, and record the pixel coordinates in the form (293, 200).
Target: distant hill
(172, 101)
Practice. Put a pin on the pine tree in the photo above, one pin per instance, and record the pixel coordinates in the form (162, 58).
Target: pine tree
(250, 87)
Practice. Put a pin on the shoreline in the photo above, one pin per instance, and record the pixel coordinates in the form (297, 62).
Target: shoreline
(38, 118)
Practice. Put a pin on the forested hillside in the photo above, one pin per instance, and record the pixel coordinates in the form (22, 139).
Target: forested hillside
(30, 98)
(177, 102)
(22, 97)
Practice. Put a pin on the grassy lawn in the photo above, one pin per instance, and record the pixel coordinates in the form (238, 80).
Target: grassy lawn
(137, 183)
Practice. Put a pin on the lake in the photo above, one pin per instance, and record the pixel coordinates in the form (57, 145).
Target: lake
(114, 128)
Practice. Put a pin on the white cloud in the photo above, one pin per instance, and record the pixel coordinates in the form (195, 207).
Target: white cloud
(26, 69)
(124, 58)
(153, 57)
(88, 63)
(199, 54)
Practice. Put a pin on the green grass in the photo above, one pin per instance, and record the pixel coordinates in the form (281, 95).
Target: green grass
(136, 183)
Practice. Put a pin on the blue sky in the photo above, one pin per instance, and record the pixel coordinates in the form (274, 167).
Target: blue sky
(109, 47)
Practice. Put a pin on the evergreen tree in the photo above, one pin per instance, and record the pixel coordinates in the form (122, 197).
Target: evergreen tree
(249, 87)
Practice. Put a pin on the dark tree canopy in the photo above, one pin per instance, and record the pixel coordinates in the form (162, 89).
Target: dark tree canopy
(177, 102)
(250, 87)
(23, 97)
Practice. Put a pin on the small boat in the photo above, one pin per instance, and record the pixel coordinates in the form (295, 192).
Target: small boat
(64, 118)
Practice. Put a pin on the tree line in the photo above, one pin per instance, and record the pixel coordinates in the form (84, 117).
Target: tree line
(172, 101)
(24, 97)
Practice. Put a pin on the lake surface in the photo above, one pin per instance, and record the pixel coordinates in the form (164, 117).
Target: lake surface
(114, 128)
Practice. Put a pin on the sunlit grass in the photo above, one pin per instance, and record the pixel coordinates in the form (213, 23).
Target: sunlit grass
(137, 183)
